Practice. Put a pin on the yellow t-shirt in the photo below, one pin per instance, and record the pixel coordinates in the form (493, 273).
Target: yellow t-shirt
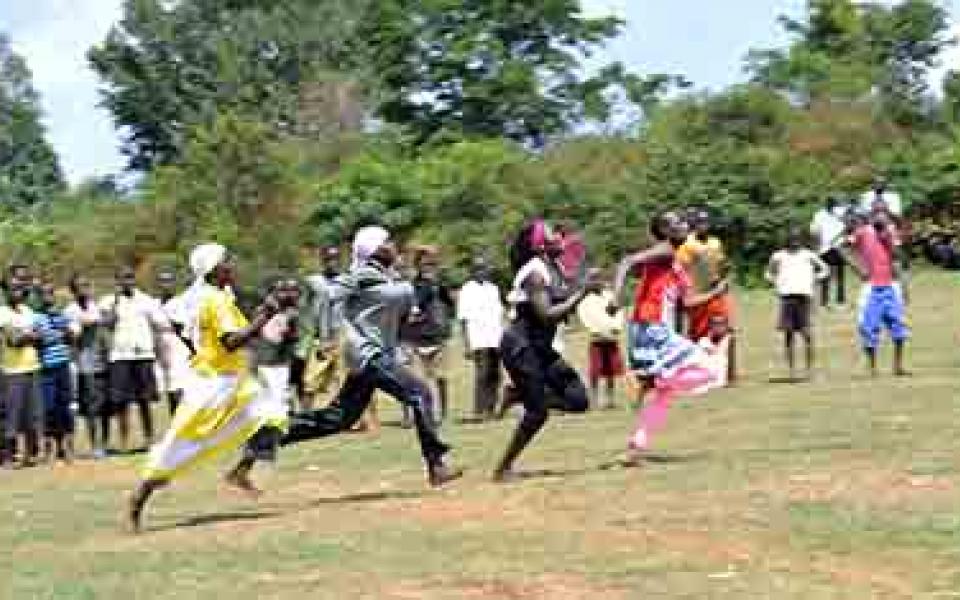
(703, 261)
(18, 359)
(219, 316)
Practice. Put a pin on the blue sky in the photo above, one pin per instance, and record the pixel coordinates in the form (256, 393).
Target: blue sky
(702, 39)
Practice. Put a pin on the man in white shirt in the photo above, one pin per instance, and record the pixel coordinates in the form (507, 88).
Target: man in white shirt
(794, 272)
(828, 227)
(133, 318)
(480, 312)
(880, 194)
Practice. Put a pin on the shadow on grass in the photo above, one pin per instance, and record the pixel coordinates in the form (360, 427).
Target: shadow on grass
(281, 511)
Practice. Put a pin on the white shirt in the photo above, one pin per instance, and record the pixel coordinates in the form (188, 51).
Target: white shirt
(175, 370)
(480, 308)
(796, 273)
(137, 317)
(828, 226)
(892, 200)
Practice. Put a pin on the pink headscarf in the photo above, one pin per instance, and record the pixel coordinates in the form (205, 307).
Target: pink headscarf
(538, 235)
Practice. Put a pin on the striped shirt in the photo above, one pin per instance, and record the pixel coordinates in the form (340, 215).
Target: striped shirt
(54, 330)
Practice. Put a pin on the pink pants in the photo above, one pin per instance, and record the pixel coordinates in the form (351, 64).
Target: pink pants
(653, 414)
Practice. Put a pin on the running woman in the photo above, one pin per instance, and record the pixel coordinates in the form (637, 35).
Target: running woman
(527, 347)
(666, 362)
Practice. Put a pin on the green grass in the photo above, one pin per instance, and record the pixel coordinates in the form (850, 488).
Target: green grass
(846, 487)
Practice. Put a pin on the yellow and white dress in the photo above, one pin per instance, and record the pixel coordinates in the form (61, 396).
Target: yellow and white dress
(223, 405)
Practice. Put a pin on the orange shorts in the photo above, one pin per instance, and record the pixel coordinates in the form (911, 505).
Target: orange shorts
(699, 316)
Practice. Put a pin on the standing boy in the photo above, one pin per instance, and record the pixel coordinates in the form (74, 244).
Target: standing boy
(794, 271)
(873, 241)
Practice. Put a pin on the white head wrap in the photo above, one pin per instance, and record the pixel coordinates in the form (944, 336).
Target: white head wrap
(366, 241)
(203, 260)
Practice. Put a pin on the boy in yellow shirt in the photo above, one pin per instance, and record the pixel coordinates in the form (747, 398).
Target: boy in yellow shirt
(21, 375)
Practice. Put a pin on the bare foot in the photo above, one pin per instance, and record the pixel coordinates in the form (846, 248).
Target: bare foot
(442, 474)
(902, 373)
(243, 485)
(506, 476)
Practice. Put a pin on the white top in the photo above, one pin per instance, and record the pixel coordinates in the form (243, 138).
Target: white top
(794, 273)
(480, 308)
(175, 367)
(828, 227)
(892, 199)
(137, 318)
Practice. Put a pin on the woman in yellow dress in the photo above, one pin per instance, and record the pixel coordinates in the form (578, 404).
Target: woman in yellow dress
(222, 405)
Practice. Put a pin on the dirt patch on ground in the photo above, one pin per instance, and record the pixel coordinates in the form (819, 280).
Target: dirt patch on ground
(551, 586)
(871, 485)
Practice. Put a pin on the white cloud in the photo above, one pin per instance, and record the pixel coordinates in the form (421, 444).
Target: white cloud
(54, 39)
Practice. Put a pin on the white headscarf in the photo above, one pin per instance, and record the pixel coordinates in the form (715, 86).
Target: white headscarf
(366, 241)
(203, 260)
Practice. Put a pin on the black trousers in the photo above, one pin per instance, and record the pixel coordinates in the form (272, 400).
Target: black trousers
(355, 395)
(486, 381)
(534, 370)
(835, 261)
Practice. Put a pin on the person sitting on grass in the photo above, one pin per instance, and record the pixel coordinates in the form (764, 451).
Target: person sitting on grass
(794, 272)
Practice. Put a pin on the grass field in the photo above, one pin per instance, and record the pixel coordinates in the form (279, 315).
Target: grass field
(846, 487)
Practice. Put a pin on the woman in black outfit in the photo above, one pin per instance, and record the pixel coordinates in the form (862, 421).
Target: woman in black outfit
(541, 302)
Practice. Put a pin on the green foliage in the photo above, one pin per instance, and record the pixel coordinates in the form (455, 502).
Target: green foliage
(29, 170)
(170, 67)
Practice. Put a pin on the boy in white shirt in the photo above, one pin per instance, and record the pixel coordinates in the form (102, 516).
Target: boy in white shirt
(794, 272)
(480, 312)
(135, 321)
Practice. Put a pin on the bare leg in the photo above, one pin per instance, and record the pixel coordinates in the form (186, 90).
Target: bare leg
(788, 353)
(898, 369)
(238, 478)
(871, 354)
(138, 501)
(808, 341)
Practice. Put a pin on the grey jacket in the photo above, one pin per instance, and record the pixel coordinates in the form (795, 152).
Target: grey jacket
(374, 301)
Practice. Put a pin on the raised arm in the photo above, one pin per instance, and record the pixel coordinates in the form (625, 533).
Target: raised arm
(235, 340)
(659, 253)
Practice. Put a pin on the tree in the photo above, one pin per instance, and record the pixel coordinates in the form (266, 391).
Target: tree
(488, 68)
(848, 50)
(29, 170)
(169, 67)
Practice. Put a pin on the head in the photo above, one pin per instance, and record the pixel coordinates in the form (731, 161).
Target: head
(213, 264)
(167, 283)
(287, 291)
(480, 269)
(719, 328)
(81, 287)
(373, 243)
(700, 223)
(669, 227)
(48, 294)
(126, 280)
(426, 260)
(880, 184)
(832, 203)
(18, 276)
(534, 239)
(330, 260)
(794, 239)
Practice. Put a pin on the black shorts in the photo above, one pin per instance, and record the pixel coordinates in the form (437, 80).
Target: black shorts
(132, 381)
(794, 313)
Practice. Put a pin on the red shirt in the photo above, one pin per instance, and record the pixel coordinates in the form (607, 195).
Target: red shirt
(876, 254)
(658, 292)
